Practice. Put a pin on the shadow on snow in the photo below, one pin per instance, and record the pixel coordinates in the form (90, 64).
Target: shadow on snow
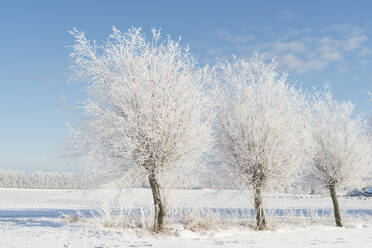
(32, 217)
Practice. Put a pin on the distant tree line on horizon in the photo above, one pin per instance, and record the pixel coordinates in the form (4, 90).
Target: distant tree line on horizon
(40, 180)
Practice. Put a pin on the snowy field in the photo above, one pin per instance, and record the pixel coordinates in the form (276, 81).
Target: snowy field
(43, 218)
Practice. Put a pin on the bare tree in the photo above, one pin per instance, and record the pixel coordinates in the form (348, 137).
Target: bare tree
(259, 125)
(340, 148)
(144, 107)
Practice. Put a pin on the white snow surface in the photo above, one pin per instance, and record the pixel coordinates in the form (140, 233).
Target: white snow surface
(87, 199)
(84, 236)
(40, 232)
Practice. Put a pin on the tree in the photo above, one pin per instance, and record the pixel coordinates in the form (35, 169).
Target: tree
(145, 107)
(259, 125)
(340, 147)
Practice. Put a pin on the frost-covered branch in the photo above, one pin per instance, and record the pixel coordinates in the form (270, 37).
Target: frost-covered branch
(146, 107)
(341, 150)
(260, 126)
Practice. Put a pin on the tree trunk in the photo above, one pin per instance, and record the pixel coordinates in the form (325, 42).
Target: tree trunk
(260, 214)
(158, 204)
(336, 207)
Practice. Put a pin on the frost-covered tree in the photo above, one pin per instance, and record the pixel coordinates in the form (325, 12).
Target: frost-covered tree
(340, 147)
(259, 125)
(144, 107)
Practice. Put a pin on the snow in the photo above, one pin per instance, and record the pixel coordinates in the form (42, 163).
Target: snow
(30, 229)
(213, 198)
(72, 235)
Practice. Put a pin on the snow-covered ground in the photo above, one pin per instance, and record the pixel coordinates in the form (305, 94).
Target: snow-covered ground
(37, 218)
(73, 235)
(86, 199)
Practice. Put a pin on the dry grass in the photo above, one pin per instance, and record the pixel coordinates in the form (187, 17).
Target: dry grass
(205, 220)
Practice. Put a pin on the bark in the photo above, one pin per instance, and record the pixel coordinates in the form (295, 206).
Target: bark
(260, 213)
(336, 207)
(158, 204)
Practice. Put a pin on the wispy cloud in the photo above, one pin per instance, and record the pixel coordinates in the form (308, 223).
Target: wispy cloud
(286, 15)
(364, 52)
(305, 50)
(235, 38)
(217, 51)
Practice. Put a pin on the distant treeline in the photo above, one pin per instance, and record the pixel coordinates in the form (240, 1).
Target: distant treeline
(40, 180)
(68, 180)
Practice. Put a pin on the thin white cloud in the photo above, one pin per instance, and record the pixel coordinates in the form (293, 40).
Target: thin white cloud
(302, 51)
(297, 46)
(345, 29)
(236, 38)
(355, 42)
(364, 52)
(217, 51)
(286, 15)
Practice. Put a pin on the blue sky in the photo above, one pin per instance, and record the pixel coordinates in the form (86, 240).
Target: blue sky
(316, 42)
